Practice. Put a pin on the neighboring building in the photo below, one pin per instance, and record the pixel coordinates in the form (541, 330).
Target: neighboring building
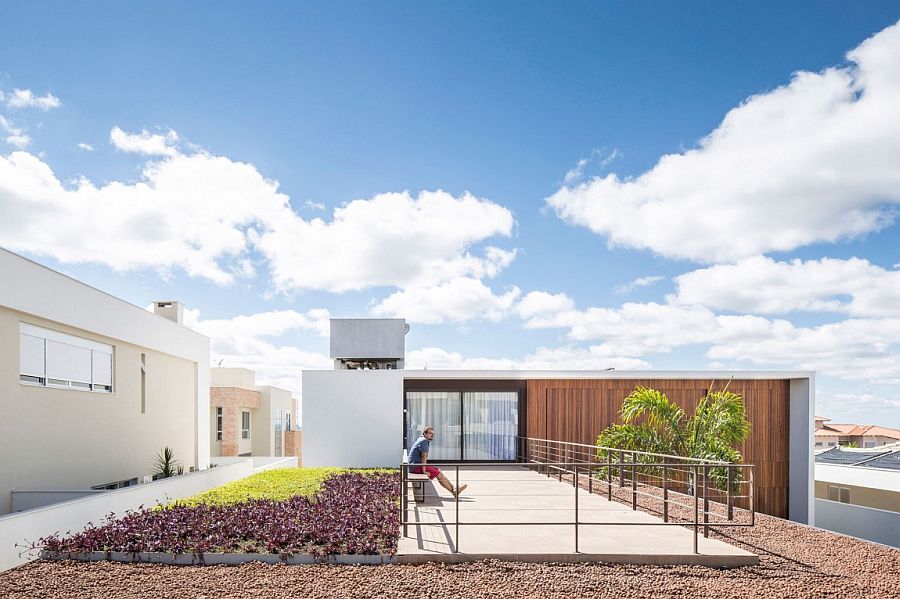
(862, 436)
(249, 419)
(92, 387)
(367, 417)
(868, 478)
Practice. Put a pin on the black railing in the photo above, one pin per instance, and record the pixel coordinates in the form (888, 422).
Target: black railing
(663, 481)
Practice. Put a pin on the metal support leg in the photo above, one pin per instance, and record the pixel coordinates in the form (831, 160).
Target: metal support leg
(576, 510)
(730, 495)
(696, 509)
(404, 500)
(456, 543)
(621, 468)
(633, 484)
(665, 494)
(706, 501)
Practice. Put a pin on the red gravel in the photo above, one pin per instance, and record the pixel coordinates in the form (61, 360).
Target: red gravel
(795, 561)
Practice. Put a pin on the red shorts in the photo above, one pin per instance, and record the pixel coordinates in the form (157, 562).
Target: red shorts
(431, 471)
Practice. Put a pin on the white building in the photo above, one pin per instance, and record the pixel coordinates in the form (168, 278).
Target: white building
(92, 387)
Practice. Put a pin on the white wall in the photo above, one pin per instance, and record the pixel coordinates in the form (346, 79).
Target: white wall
(74, 515)
(34, 289)
(867, 523)
(352, 417)
(801, 457)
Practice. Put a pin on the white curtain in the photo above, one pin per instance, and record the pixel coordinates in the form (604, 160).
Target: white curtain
(439, 409)
(491, 423)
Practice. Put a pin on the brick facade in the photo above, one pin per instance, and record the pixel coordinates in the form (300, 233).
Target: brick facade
(232, 400)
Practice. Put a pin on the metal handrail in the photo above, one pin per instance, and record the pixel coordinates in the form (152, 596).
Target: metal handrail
(595, 448)
(609, 464)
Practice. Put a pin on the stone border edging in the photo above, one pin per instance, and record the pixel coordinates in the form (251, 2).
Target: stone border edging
(214, 559)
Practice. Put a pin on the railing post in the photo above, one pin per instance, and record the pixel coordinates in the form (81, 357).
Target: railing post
(590, 471)
(696, 508)
(571, 462)
(576, 509)
(621, 468)
(633, 483)
(665, 493)
(730, 495)
(558, 460)
(456, 543)
(608, 476)
(706, 500)
(404, 500)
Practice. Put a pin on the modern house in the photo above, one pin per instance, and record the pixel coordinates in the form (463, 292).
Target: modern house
(92, 387)
(366, 417)
(867, 478)
(249, 419)
(863, 436)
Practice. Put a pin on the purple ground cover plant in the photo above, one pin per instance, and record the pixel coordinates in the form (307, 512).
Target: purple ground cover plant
(353, 513)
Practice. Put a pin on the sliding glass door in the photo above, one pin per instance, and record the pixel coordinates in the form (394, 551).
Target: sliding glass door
(471, 425)
(490, 425)
(440, 409)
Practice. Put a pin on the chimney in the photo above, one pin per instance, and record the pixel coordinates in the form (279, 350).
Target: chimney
(172, 310)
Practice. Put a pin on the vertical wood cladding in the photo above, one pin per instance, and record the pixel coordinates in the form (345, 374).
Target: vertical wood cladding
(576, 410)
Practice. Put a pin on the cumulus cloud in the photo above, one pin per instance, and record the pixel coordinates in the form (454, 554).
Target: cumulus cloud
(146, 143)
(561, 358)
(538, 303)
(811, 161)
(251, 341)
(204, 214)
(25, 98)
(86, 147)
(637, 283)
(392, 239)
(194, 212)
(765, 286)
(853, 408)
(15, 135)
(456, 300)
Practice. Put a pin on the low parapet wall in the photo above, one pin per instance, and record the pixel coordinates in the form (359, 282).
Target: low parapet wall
(20, 529)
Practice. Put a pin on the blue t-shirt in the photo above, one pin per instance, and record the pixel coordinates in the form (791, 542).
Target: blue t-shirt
(415, 452)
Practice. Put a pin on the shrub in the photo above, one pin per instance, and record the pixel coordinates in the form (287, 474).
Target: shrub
(353, 513)
(277, 484)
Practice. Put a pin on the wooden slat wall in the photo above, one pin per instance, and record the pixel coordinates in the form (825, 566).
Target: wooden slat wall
(576, 410)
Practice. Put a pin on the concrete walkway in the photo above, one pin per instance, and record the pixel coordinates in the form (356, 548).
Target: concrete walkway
(516, 494)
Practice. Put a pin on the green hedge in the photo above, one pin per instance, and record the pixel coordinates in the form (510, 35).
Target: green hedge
(278, 484)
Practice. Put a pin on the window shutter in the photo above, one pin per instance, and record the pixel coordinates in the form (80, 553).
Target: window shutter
(31, 355)
(101, 368)
(68, 362)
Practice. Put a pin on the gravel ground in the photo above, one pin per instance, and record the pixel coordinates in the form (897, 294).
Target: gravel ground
(795, 561)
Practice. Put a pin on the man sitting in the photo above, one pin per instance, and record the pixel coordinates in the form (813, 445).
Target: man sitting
(418, 454)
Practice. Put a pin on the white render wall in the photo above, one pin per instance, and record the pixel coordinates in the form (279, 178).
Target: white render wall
(51, 424)
(352, 417)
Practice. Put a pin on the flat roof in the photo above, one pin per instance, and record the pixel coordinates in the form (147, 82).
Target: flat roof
(608, 374)
(859, 476)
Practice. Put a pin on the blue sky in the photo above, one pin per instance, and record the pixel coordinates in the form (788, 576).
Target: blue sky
(638, 185)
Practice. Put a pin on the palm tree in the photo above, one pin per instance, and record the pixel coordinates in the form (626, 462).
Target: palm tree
(654, 424)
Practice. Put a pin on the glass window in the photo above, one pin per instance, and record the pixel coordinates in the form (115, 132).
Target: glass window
(440, 409)
(218, 424)
(245, 425)
(278, 439)
(490, 425)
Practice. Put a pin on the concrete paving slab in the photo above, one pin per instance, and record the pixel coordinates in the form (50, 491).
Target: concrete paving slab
(513, 494)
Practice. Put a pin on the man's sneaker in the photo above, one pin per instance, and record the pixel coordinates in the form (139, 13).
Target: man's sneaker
(460, 490)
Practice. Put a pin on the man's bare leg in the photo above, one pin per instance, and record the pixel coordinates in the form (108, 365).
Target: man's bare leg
(448, 485)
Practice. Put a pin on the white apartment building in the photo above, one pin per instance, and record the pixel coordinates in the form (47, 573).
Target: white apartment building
(92, 387)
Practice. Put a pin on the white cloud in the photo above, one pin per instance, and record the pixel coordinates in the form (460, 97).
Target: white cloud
(538, 303)
(812, 161)
(192, 212)
(637, 283)
(392, 239)
(456, 300)
(561, 358)
(246, 341)
(864, 408)
(86, 147)
(17, 137)
(149, 144)
(765, 286)
(25, 98)
(204, 214)
(600, 158)
(314, 205)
